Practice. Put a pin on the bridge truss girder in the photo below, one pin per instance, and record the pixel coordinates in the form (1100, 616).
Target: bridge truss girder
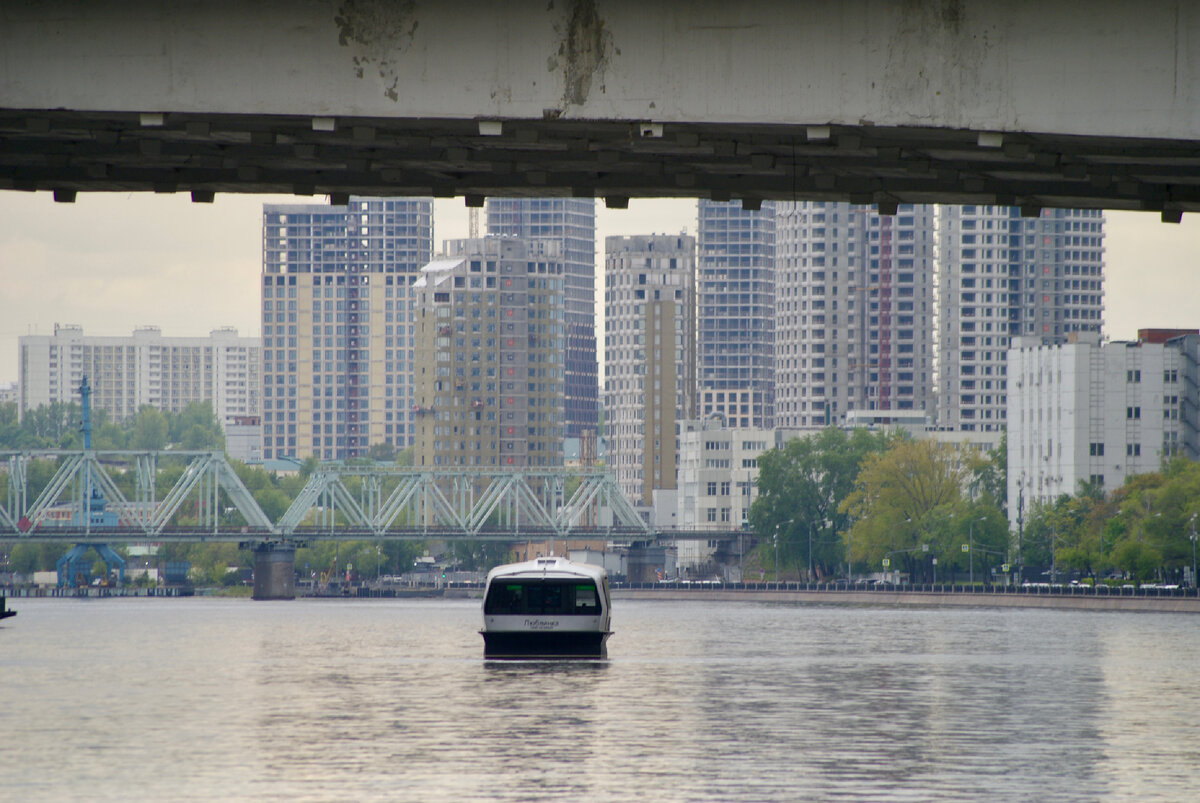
(403, 502)
(337, 502)
(207, 479)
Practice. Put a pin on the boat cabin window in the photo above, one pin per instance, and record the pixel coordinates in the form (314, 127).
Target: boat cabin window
(543, 597)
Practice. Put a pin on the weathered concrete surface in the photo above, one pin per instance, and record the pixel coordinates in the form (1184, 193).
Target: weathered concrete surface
(1086, 67)
(926, 600)
(274, 571)
(1081, 103)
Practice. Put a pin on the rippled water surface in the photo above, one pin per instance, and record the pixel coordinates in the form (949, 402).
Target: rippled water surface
(202, 699)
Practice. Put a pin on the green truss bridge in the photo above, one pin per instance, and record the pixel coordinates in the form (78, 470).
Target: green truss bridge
(120, 496)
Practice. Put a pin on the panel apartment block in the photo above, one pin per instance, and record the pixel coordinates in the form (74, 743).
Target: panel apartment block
(650, 357)
(337, 324)
(167, 373)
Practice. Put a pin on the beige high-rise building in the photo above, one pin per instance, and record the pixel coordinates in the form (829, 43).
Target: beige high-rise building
(488, 370)
(337, 330)
(650, 357)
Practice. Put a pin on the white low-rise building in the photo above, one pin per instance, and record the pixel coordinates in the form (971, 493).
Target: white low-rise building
(145, 368)
(718, 480)
(1086, 411)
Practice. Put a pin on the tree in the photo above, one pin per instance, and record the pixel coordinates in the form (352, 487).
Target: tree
(381, 452)
(990, 475)
(801, 487)
(54, 425)
(149, 429)
(908, 502)
(196, 428)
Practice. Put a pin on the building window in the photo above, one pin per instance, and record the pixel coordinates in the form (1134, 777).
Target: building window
(1133, 450)
(1096, 449)
(1133, 412)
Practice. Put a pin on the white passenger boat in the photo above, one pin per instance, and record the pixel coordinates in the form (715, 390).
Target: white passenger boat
(546, 608)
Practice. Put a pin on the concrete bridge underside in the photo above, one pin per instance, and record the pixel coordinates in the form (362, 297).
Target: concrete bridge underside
(1078, 103)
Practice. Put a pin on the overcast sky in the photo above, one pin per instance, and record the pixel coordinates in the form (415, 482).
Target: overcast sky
(111, 263)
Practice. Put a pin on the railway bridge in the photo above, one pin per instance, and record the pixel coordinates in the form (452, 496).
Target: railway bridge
(93, 498)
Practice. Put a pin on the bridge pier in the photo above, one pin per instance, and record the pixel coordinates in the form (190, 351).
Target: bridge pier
(274, 571)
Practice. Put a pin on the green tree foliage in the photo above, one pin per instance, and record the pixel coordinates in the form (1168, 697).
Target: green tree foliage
(909, 506)
(56, 426)
(381, 452)
(149, 429)
(196, 428)
(476, 555)
(801, 488)
(990, 475)
(1142, 531)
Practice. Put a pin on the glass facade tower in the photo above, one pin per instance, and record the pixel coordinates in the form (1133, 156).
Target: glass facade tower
(736, 317)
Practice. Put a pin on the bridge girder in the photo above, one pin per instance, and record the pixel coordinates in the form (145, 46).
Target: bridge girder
(204, 154)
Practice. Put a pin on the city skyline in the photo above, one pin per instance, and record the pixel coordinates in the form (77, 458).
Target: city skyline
(110, 263)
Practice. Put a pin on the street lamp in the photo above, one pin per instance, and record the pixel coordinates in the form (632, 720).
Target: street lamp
(789, 523)
(1020, 526)
(810, 535)
(971, 548)
(776, 554)
(1192, 538)
(1053, 556)
(848, 578)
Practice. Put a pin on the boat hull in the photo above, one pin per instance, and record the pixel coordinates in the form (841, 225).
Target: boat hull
(544, 645)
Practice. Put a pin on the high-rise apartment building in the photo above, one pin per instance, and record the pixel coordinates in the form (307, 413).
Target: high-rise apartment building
(489, 355)
(854, 299)
(337, 326)
(1001, 276)
(736, 321)
(167, 373)
(571, 222)
(650, 357)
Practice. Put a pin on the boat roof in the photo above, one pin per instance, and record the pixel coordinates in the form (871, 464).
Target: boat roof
(552, 567)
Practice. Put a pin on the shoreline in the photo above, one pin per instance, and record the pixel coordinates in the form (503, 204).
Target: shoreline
(895, 599)
(923, 599)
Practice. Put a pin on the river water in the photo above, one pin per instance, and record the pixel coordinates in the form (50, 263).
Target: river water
(204, 699)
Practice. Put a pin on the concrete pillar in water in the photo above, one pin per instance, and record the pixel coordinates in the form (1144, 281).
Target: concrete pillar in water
(274, 571)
